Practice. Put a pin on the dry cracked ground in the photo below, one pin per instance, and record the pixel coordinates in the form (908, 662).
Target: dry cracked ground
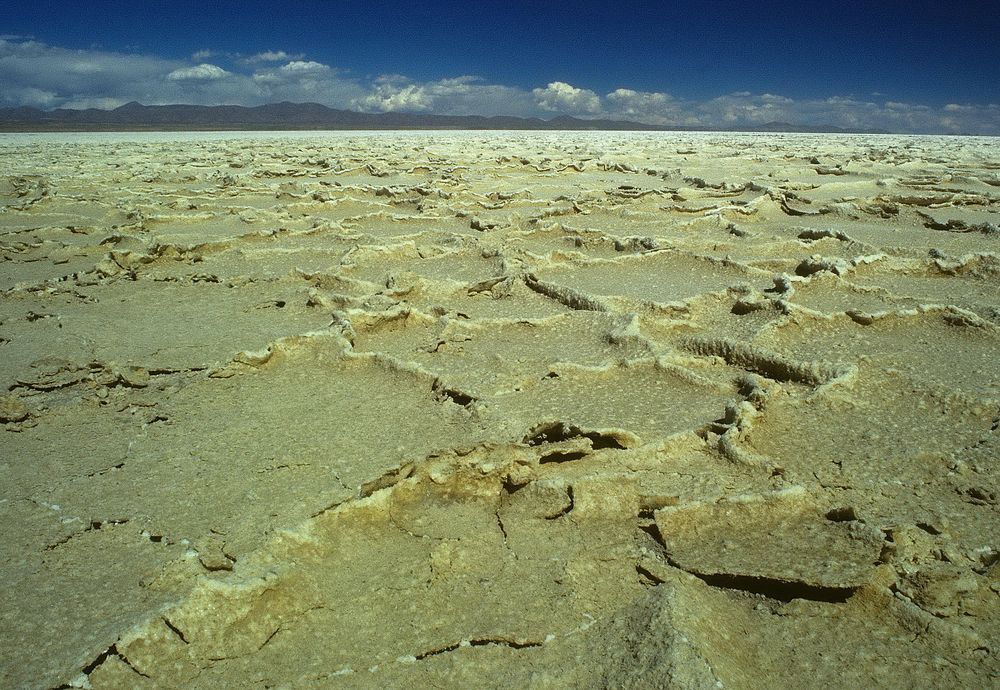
(499, 410)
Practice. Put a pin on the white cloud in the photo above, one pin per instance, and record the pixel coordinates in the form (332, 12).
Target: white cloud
(464, 95)
(652, 107)
(43, 76)
(305, 81)
(393, 92)
(202, 72)
(640, 101)
(33, 73)
(85, 67)
(743, 108)
(273, 56)
(563, 98)
(304, 66)
(772, 98)
(390, 94)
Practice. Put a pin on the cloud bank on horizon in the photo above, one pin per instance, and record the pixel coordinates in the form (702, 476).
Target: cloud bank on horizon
(43, 76)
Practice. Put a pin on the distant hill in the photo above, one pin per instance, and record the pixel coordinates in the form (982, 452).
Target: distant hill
(136, 117)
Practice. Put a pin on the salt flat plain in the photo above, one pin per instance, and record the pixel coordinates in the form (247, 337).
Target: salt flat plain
(499, 410)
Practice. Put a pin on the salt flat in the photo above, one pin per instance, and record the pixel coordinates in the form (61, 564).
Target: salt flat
(499, 409)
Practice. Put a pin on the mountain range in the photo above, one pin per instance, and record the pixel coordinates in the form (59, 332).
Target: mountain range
(313, 116)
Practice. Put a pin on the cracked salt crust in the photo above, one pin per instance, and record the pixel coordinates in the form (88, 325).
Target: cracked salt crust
(499, 410)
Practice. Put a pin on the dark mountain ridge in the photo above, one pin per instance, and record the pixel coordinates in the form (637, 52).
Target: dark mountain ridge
(306, 116)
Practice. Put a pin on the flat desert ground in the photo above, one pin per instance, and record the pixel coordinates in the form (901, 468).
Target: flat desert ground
(490, 410)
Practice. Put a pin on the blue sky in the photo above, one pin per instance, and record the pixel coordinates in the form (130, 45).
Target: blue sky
(913, 66)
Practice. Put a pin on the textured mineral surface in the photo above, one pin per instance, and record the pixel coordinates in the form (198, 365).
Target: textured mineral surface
(491, 410)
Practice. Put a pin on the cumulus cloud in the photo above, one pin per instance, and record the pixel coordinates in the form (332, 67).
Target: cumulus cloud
(394, 92)
(43, 76)
(740, 109)
(273, 56)
(304, 66)
(652, 107)
(34, 73)
(202, 72)
(563, 98)
(38, 75)
(296, 71)
(464, 95)
(306, 81)
(638, 102)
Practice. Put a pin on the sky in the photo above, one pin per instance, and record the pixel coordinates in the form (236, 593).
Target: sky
(902, 66)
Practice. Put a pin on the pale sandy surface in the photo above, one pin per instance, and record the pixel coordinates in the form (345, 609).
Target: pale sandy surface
(499, 410)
